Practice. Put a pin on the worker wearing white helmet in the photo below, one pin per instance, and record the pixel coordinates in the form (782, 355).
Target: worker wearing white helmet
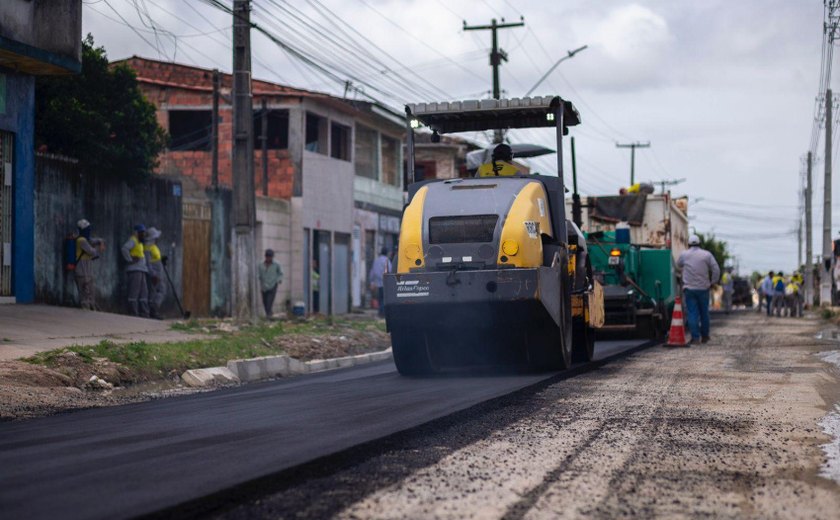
(83, 272)
(699, 272)
(154, 261)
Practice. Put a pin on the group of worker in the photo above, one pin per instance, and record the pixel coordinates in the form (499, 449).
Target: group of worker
(781, 295)
(145, 269)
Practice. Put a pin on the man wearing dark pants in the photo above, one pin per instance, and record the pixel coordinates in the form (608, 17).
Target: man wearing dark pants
(270, 276)
(699, 272)
(381, 265)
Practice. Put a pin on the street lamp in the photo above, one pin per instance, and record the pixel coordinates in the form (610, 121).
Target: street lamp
(570, 54)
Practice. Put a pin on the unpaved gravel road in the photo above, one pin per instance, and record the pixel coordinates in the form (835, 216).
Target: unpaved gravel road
(725, 430)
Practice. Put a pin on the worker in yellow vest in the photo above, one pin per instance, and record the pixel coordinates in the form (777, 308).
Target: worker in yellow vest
(83, 273)
(155, 261)
(501, 164)
(136, 271)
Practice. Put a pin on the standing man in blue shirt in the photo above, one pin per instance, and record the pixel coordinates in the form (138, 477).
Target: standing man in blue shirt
(699, 272)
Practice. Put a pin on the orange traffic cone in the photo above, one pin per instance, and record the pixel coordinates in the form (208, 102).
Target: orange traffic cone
(676, 336)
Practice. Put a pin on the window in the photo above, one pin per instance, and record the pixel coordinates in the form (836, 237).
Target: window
(340, 141)
(424, 170)
(190, 129)
(316, 133)
(367, 157)
(278, 129)
(390, 161)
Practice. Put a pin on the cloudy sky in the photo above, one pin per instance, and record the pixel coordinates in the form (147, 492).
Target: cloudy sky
(724, 90)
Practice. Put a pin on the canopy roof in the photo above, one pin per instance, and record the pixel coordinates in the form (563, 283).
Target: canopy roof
(489, 114)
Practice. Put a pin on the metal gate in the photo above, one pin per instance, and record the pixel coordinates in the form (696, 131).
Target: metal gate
(195, 271)
(6, 212)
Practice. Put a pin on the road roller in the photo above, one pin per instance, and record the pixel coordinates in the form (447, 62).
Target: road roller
(489, 272)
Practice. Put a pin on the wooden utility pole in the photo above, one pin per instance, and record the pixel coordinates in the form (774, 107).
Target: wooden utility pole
(633, 147)
(244, 205)
(809, 253)
(214, 130)
(497, 56)
(825, 273)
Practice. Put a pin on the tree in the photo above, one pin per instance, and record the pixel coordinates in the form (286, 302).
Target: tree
(718, 248)
(99, 117)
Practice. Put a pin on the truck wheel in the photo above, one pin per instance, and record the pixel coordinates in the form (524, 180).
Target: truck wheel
(583, 346)
(410, 356)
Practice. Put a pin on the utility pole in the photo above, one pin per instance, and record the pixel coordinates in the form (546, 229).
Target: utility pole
(809, 254)
(214, 130)
(244, 204)
(497, 56)
(264, 146)
(825, 275)
(668, 182)
(633, 147)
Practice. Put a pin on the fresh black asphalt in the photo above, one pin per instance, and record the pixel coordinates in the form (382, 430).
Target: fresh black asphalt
(137, 459)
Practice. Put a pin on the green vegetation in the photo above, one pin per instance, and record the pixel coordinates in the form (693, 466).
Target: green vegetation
(99, 117)
(149, 361)
(718, 248)
(827, 313)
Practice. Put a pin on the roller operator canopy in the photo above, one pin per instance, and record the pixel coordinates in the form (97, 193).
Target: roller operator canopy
(491, 114)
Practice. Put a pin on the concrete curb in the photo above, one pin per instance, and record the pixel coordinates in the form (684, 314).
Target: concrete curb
(257, 369)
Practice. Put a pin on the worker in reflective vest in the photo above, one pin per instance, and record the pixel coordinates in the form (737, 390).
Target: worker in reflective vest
(136, 271)
(156, 262)
(83, 274)
(501, 164)
(728, 284)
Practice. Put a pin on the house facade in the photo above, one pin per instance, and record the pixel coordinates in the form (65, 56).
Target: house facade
(329, 186)
(37, 37)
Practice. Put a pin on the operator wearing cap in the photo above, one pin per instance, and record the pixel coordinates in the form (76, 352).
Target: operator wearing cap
(83, 274)
(136, 270)
(699, 272)
(501, 164)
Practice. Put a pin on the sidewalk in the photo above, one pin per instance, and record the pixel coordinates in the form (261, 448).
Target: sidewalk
(28, 329)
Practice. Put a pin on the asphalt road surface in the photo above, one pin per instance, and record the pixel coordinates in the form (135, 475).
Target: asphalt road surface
(147, 457)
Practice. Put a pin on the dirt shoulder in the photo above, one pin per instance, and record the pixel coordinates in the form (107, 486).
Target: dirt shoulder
(725, 430)
(108, 373)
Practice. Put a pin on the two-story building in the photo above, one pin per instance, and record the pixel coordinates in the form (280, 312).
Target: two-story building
(37, 37)
(329, 186)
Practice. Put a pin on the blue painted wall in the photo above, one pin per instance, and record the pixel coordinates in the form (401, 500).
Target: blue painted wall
(19, 118)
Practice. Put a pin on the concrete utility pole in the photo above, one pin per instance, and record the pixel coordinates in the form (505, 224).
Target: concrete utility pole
(668, 182)
(214, 130)
(497, 55)
(809, 254)
(264, 146)
(633, 147)
(244, 204)
(825, 278)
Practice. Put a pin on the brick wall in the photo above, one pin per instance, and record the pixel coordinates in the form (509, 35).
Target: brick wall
(170, 86)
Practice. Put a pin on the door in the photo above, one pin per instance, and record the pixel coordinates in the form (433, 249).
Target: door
(6, 213)
(341, 259)
(195, 271)
(356, 267)
(324, 268)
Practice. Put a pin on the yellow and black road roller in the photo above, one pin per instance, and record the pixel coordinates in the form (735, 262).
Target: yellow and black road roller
(489, 271)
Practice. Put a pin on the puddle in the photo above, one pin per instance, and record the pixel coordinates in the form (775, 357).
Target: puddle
(831, 426)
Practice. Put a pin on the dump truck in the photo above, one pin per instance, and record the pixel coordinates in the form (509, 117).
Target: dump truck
(489, 270)
(634, 242)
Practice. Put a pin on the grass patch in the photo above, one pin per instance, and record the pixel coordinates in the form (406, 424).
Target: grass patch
(149, 361)
(827, 313)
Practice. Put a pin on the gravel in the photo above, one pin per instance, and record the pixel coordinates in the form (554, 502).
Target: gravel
(725, 430)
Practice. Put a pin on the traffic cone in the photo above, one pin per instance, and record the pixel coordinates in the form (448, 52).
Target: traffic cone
(676, 336)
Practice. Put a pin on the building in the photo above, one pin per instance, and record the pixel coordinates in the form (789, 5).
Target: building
(329, 186)
(37, 37)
